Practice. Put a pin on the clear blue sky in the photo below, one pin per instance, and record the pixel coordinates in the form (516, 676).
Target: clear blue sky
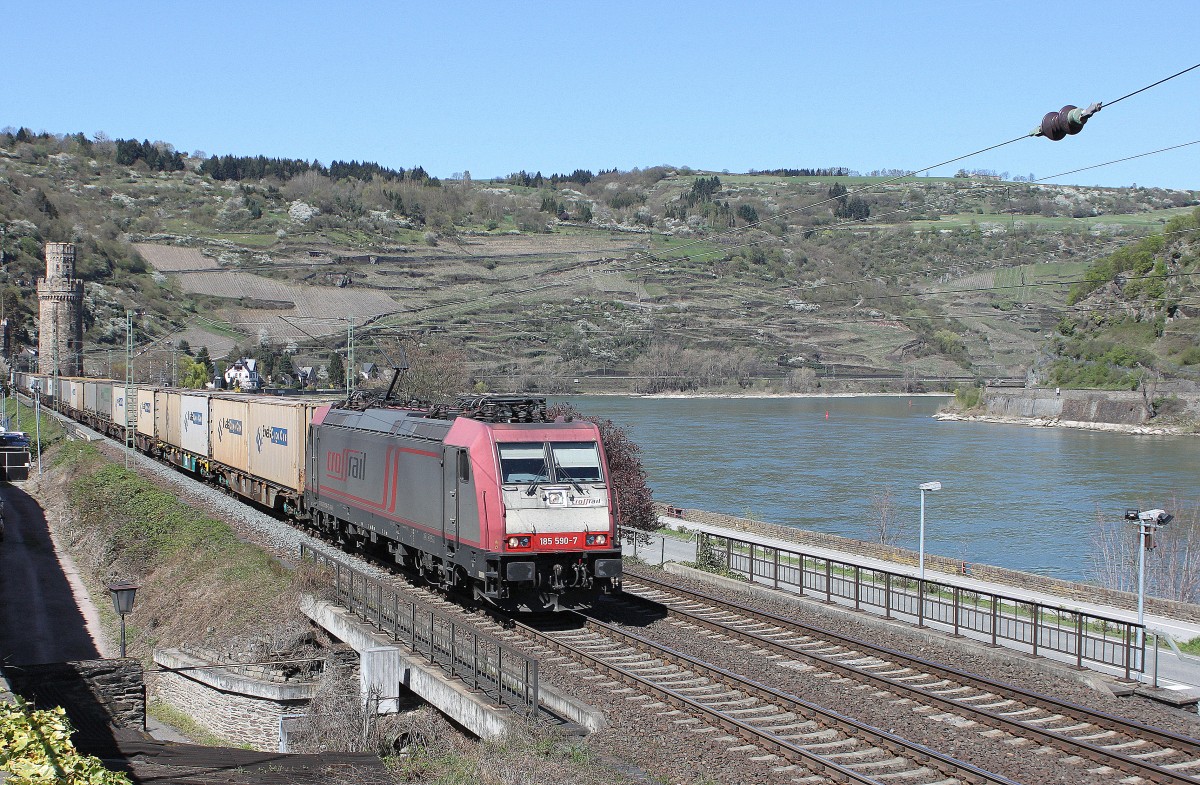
(494, 87)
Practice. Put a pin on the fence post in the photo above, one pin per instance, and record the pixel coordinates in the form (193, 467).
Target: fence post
(920, 602)
(532, 665)
(995, 600)
(729, 554)
(453, 649)
(475, 660)
(1079, 640)
(1128, 652)
(887, 595)
(413, 605)
(828, 581)
(857, 586)
(776, 568)
(752, 562)
(957, 597)
(499, 675)
(431, 657)
(395, 616)
(1035, 608)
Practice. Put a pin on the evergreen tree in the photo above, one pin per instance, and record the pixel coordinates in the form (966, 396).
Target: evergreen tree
(337, 370)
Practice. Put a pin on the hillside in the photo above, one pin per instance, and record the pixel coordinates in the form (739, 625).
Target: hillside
(655, 279)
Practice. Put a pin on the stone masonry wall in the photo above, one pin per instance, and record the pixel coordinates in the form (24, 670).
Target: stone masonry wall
(107, 691)
(236, 707)
(1025, 580)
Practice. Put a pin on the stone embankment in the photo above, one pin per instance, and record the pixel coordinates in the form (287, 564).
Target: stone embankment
(1118, 411)
(1068, 590)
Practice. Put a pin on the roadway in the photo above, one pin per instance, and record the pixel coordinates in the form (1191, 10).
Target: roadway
(40, 621)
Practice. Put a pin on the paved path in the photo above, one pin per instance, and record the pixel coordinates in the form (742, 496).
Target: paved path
(39, 619)
(1179, 673)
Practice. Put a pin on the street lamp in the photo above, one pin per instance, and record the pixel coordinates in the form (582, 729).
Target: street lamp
(925, 486)
(1147, 523)
(122, 597)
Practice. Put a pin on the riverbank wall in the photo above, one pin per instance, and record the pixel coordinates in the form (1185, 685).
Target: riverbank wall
(1177, 408)
(1068, 590)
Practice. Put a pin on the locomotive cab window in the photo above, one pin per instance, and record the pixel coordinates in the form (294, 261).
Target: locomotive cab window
(522, 462)
(464, 466)
(576, 462)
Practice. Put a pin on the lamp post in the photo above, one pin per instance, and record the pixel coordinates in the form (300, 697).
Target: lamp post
(925, 486)
(122, 597)
(1147, 523)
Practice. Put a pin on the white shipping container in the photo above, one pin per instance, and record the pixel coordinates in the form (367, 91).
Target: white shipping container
(120, 405)
(89, 397)
(278, 430)
(76, 394)
(166, 417)
(194, 424)
(229, 432)
(145, 411)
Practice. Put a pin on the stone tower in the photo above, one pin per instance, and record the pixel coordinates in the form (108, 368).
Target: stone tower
(60, 306)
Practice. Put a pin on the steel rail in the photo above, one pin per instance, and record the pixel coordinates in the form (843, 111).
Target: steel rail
(944, 765)
(1164, 738)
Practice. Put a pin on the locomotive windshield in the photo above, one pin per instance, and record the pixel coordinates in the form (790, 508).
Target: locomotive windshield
(568, 462)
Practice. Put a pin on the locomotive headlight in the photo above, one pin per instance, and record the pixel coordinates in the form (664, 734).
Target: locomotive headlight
(596, 539)
(518, 542)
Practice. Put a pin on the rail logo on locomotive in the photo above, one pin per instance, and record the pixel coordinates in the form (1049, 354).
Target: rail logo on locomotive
(194, 418)
(347, 464)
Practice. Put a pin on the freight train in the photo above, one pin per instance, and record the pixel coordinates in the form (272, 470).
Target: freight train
(488, 496)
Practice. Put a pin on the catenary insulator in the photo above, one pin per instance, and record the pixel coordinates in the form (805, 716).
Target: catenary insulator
(1067, 121)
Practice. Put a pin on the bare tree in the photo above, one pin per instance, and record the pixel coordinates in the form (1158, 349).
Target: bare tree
(1172, 560)
(884, 523)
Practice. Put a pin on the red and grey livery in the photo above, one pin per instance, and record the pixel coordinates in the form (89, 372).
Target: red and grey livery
(520, 512)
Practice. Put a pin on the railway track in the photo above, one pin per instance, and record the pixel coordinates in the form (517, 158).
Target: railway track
(762, 722)
(1131, 748)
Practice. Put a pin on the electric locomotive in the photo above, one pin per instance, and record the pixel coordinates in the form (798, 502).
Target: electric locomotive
(487, 497)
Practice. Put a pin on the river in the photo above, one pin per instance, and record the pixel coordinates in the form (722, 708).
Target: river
(1013, 496)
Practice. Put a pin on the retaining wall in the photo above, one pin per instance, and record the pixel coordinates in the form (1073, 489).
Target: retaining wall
(93, 691)
(1025, 580)
(235, 706)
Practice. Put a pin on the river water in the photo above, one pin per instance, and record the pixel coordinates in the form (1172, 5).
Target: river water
(1014, 496)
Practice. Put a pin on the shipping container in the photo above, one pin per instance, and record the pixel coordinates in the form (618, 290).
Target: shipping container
(145, 411)
(278, 431)
(166, 417)
(73, 393)
(104, 400)
(89, 397)
(194, 424)
(229, 432)
(119, 403)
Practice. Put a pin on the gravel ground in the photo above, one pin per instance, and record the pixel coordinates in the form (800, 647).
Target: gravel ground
(648, 743)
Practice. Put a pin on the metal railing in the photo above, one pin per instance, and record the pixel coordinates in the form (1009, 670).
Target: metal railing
(499, 671)
(996, 618)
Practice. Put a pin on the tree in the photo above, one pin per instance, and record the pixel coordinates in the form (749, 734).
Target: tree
(203, 359)
(337, 370)
(883, 515)
(634, 498)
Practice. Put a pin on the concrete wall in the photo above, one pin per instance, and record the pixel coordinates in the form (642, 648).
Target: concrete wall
(237, 707)
(1115, 406)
